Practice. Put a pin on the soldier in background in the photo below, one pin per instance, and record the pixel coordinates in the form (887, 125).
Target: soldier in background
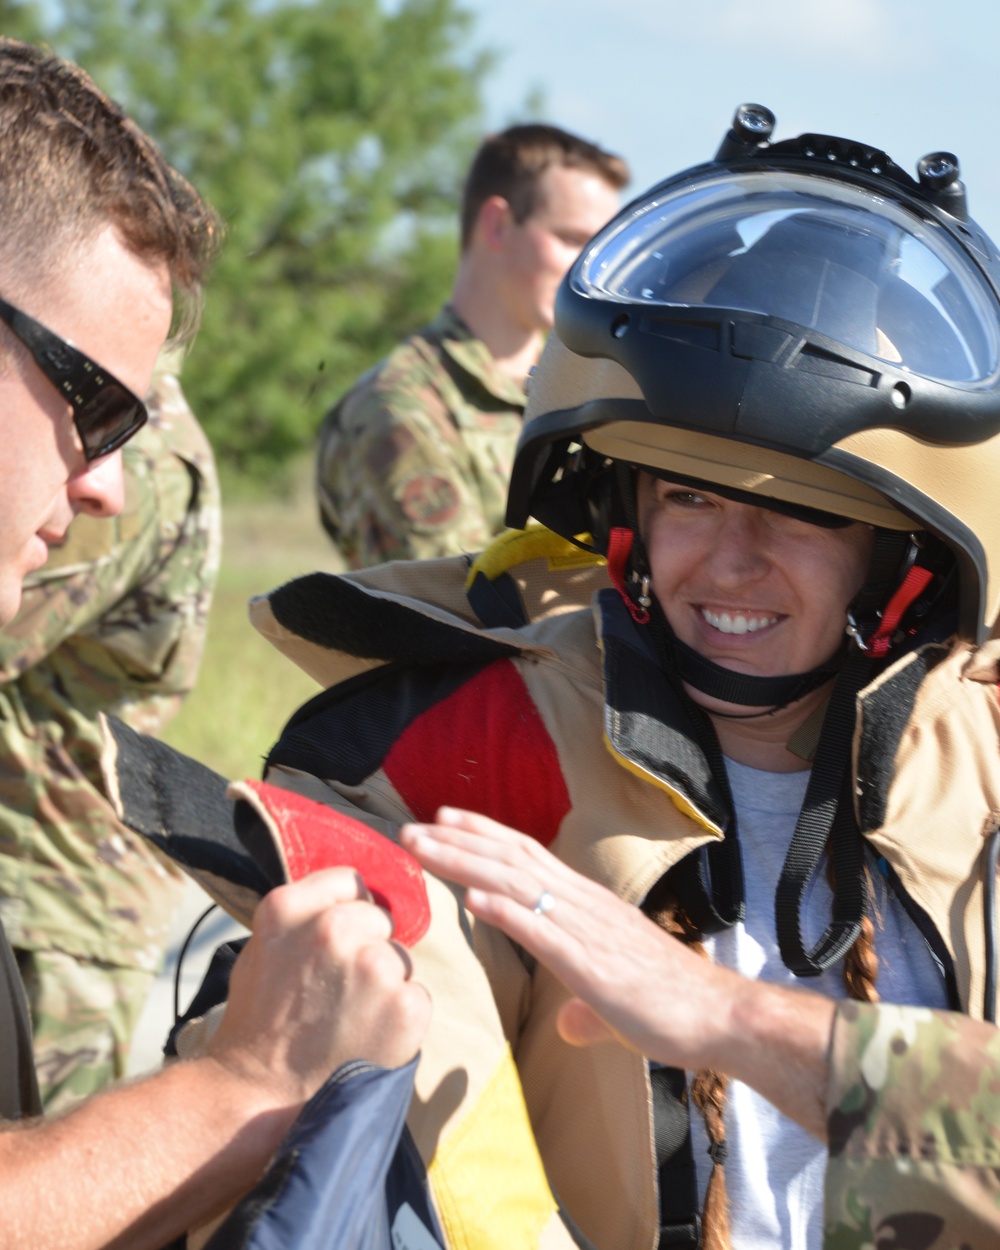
(414, 461)
(115, 621)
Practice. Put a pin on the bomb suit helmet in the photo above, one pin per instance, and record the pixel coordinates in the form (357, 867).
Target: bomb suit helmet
(801, 323)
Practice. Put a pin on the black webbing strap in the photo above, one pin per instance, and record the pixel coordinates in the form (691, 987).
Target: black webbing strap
(708, 882)
(827, 815)
(680, 1221)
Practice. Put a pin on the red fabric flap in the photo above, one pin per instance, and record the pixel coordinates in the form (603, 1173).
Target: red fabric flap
(314, 836)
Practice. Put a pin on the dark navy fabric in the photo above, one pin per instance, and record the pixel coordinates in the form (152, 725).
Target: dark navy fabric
(347, 1176)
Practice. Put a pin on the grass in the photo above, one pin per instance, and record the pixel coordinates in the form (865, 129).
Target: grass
(246, 690)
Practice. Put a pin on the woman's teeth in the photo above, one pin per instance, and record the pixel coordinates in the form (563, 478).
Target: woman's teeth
(737, 622)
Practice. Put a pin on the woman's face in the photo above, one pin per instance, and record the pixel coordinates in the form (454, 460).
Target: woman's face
(754, 590)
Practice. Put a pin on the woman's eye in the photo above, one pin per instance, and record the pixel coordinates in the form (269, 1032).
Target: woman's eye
(686, 498)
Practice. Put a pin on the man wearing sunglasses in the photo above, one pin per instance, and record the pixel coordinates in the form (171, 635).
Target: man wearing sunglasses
(115, 621)
(97, 235)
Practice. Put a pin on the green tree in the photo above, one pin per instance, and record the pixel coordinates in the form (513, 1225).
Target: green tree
(332, 136)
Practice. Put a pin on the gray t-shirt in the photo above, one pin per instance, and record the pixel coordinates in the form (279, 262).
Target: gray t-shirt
(774, 1168)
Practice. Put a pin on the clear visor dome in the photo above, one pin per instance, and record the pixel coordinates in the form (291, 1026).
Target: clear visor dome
(863, 270)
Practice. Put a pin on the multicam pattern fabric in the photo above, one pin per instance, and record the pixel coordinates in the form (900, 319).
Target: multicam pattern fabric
(914, 1123)
(84, 1013)
(414, 461)
(115, 621)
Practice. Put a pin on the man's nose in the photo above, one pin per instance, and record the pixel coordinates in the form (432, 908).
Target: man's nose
(99, 490)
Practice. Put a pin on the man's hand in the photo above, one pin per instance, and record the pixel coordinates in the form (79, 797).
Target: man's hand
(320, 982)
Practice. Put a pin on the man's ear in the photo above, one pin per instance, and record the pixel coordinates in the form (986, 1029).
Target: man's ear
(494, 222)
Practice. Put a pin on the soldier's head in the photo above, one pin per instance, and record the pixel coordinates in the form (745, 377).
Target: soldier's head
(534, 195)
(97, 236)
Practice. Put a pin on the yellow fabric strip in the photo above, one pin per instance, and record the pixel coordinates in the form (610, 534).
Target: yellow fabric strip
(514, 547)
(487, 1175)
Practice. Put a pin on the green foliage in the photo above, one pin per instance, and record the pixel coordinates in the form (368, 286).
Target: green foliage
(332, 136)
(246, 689)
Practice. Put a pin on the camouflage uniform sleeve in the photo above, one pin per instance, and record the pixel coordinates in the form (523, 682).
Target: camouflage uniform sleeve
(394, 479)
(914, 1125)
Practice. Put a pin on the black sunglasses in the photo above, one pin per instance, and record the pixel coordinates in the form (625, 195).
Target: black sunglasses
(105, 411)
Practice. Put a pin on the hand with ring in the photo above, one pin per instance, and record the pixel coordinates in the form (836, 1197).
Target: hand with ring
(632, 981)
(604, 950)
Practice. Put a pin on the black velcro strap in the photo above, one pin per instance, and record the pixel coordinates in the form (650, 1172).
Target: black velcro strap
(709, 882)
(335, 612)
(179, 805)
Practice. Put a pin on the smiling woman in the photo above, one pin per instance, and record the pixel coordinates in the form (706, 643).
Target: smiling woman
(738, 404)
(755, 591)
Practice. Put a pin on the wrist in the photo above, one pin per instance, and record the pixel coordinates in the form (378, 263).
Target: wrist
(246, 1095)
(777, 1041)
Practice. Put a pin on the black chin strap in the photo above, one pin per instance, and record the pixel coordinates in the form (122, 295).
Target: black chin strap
(772, 693)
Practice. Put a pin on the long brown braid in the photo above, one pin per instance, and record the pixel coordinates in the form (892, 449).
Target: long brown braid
(708, 1088)
(860, 962)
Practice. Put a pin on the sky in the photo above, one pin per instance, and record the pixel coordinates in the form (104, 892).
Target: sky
(659, 80)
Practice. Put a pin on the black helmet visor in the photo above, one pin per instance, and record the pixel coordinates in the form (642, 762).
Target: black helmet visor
(864, 270)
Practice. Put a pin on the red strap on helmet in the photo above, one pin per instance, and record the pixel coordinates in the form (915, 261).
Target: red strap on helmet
(913, 585)
(619, 549)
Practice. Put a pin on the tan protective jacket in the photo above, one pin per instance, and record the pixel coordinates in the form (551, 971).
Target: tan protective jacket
(557, 728)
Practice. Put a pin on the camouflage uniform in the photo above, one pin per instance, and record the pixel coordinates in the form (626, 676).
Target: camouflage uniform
(914, 1131)
(414, 461)
(114, 621)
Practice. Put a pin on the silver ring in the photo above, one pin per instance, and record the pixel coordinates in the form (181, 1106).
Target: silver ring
(545, 903)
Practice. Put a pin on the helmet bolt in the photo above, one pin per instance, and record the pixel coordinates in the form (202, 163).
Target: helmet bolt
(753, 122)
(937, 170)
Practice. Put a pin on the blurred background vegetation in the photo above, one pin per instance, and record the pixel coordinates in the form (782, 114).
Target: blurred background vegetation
(332, 137)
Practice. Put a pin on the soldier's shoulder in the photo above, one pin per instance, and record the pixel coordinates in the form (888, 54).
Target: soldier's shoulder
(172, 430)
(412, 372)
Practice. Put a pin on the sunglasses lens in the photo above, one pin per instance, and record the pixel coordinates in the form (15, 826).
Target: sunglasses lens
(108, 420)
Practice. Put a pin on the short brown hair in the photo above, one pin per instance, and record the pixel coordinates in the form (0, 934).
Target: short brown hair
(511, 162)
(72, 163)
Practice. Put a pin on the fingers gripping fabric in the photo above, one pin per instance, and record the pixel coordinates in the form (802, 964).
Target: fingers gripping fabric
(291, 836)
